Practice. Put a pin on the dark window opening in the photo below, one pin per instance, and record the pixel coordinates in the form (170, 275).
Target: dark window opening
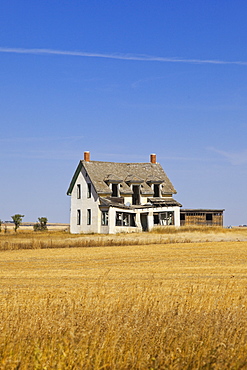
(114, 190)
(89, 192)
(209, 217)
(78, 191)
(156, 190)
(78, 217)
(156, 219)
(182, 216)
(136, 195)
(89, 217)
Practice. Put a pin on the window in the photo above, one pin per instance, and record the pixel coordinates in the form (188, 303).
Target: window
(89, 217)
(78, 217)
(104, 218)
(114, 188)
(156, 190)
(156, 219)
(125, 219)
(164, 218)
(78, 191)
(136, 194)
(209, 217)
(89, 190)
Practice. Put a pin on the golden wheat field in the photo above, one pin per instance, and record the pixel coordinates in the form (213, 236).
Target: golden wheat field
(162, 300)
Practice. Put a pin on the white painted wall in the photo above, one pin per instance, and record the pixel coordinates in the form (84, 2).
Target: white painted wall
(128, 199)
(84, 204)
(176, 216)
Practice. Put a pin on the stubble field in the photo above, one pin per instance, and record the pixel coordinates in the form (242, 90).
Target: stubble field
(178, 303)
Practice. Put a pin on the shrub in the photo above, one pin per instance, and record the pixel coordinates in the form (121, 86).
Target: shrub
(41, 225)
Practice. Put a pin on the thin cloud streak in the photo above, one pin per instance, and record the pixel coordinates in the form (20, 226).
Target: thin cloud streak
(235, 158)
(130, 57)
(41, 139)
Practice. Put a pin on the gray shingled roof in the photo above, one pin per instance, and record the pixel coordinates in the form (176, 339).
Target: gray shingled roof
(141, 173)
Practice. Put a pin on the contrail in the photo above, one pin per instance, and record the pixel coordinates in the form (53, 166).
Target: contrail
(133, 57)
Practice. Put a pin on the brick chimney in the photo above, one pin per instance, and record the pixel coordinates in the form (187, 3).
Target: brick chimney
(153, 158)
(87, 156)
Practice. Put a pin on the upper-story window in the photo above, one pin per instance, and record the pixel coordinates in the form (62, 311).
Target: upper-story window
(78, 191)
(156, 190)
(89, 190)
(136, 195)
(114, 188)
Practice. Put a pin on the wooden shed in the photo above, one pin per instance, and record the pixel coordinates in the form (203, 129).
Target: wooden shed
(210, 217)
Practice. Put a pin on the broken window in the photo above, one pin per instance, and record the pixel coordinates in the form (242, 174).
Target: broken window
(104, 218)
(164, 218)
(125, 219)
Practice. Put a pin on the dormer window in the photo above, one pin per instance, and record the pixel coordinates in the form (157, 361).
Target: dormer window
(114, 188)
(156, 190)
(113, 182)
(136, 195)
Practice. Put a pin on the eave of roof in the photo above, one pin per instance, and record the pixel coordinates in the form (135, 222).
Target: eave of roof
(74, 178)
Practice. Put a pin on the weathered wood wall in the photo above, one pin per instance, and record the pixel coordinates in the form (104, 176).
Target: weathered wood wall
(211, 218)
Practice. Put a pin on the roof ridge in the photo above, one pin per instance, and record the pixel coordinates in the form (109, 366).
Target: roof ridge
(82, 160)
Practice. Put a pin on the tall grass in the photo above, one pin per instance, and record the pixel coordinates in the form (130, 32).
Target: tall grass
(189, 228)
(160, 235)
(139, 328)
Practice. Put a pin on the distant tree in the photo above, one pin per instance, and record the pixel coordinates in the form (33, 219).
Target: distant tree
(17, 219)
(41, 225)
(1, 225)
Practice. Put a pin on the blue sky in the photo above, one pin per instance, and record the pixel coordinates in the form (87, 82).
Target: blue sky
(123, 79)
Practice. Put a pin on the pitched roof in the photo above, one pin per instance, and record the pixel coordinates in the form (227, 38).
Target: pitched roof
(126, 173)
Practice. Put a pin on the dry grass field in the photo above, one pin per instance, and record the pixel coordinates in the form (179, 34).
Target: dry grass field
(174, 300)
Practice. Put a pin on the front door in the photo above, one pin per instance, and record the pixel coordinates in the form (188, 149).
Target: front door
(144, 221)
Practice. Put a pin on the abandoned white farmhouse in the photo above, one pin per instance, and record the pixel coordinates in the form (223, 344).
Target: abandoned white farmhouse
(109, 197)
